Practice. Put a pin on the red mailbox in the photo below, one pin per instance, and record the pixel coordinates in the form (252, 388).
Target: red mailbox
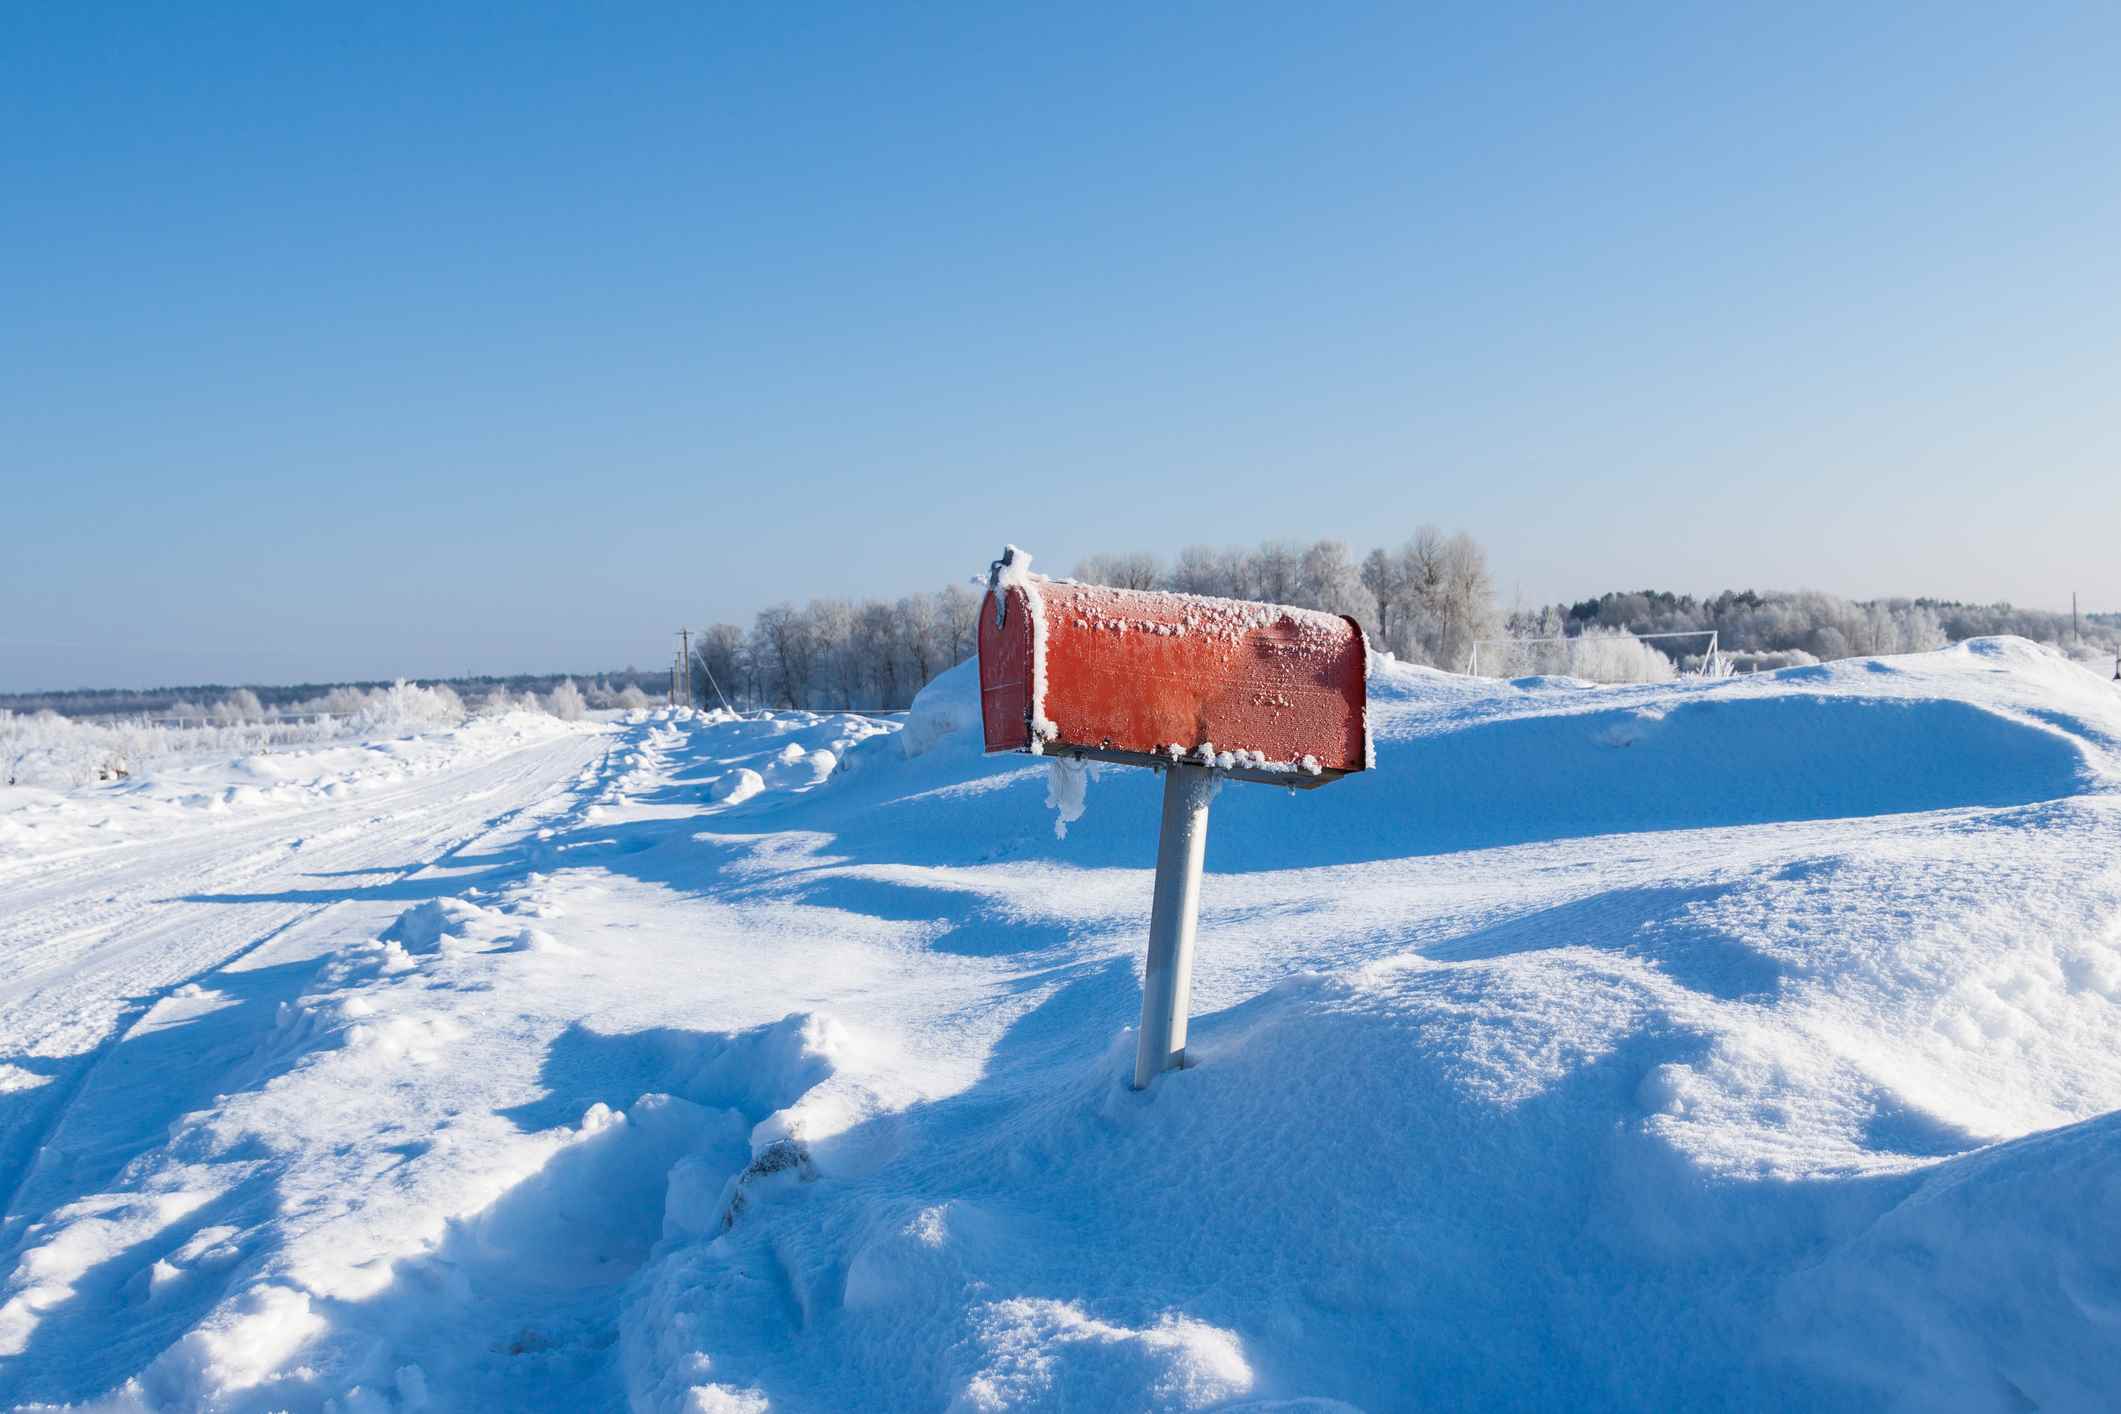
(1259, 692)
(1199, 688)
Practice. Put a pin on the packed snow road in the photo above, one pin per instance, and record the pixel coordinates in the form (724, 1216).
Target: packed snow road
(95, 938)
(1743, 1045)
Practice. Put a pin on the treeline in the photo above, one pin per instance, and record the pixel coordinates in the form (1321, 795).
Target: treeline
(227, 702)
(159, 701)
(869, 653)
(1804, 625)
(1427, 600)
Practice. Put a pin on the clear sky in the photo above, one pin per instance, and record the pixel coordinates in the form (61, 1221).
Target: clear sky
(349, 341)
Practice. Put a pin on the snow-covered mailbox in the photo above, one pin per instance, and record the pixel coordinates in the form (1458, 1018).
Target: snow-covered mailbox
(1198, 688)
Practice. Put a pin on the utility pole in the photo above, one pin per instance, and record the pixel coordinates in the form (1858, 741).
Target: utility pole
(681, 671)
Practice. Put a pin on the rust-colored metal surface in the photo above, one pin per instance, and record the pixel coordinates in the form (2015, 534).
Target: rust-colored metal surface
(1260, 691)
(1005, 671)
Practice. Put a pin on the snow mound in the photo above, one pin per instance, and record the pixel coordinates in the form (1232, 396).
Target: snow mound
(1042, 1352)
(776, 756)
(948, 707)
(795, 766)
(736, 786)
(423, 927)
(1731, 760)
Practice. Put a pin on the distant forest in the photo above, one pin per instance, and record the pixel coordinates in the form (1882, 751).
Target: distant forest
(1805, 625)
(1430, 600)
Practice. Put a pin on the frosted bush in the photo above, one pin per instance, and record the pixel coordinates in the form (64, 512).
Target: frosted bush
(1766, 662)
(604, 697)
(405, 705)
(46, 749)
(339, 702)
(1609, 655)
(49, 750)
(565, 701)
(1597, 655)
(242, 705)
(498, 702)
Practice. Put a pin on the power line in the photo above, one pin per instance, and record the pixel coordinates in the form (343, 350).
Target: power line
(712, 683)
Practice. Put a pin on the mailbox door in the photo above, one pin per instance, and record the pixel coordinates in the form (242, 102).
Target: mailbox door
(1005, 670)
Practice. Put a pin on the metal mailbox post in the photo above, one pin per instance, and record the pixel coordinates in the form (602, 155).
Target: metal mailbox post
(1198, 688)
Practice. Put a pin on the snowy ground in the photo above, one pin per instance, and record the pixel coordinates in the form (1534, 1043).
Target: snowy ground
(1745, 1044)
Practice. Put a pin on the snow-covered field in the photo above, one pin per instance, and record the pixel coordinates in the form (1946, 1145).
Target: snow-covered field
(1750, 1044)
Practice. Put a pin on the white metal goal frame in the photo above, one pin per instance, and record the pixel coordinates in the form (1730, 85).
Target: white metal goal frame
(1711, 659)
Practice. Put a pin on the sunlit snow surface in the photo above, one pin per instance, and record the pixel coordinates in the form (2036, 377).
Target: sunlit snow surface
(1748, 1044)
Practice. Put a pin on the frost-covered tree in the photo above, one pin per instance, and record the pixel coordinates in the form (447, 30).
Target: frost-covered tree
(1383, 581)
(721, 650)
(1201, 569)
(1465, 602)
(1277, 572)
(957, 621)
(1327, 579)
(787, 649)
(841, 658)
(920, 640)
(880, 652)
(1136, 570)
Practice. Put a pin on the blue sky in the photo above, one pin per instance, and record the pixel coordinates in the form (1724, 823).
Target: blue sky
(356, 341)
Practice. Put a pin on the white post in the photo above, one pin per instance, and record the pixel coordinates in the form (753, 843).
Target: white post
(1167, 981)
